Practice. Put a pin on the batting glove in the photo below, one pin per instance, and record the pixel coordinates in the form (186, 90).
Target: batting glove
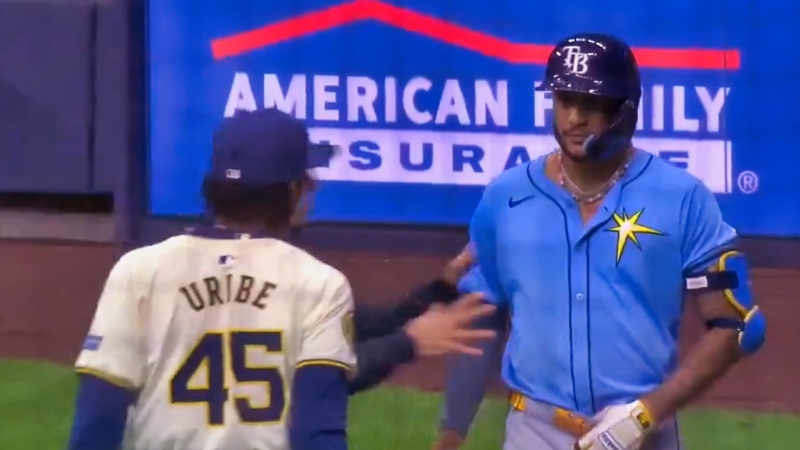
(619, 427)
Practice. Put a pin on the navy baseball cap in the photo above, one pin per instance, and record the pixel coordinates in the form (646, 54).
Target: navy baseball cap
(265, 146)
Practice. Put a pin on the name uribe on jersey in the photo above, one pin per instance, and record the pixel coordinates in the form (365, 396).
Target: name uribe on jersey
(221, 291)
(226, 337)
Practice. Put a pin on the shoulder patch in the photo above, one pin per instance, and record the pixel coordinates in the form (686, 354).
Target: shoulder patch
(349, 328)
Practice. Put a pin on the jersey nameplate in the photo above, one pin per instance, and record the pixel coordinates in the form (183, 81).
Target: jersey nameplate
(214, 291)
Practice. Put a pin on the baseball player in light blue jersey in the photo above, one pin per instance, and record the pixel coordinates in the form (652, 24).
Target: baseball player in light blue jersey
(595, 249)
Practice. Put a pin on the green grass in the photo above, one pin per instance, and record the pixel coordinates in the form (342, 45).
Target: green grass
(36, 402)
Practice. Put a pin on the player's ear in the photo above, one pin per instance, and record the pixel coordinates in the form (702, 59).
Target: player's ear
(299, 188)
(310, 181)
(295, 192)
(299, 191)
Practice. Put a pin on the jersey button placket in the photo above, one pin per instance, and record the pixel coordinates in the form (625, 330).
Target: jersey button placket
(580, 329)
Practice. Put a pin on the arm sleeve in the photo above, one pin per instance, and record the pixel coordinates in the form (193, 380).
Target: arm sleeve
(705, 234)
(113, 349)
(374, 321)
(318, 411)
(469, 376)
(482, 234)
(378, 357)
(382, 344)
(328, 329)
(473, 281)
(101, 411)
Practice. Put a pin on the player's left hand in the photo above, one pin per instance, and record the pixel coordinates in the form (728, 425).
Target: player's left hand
(458, 266)
(619, 427)
(443, 330)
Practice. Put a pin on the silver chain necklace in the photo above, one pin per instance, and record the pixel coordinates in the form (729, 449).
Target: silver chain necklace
(582, 196)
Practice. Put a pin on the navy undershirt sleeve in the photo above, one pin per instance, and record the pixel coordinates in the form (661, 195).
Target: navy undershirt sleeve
(469, 376)
(372, 321)
(101, 411)
(318, 410)
(378, 357)
(382, 344)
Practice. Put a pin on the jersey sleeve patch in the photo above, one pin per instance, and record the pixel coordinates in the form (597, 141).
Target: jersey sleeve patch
(92, 342)
(349, 328)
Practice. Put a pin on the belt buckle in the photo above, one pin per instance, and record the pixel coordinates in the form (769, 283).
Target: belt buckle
(571, 423)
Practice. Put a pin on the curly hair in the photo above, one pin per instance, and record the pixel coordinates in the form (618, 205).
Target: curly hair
(235, 203)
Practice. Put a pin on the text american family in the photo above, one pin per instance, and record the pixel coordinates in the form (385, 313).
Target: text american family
(463, 131)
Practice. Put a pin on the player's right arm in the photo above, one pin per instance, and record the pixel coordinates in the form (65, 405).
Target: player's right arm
(382, 343)
(467, 380)
(111, 363)
(441, 330)
(386, 339)
(318, 410)
(468, 376)
(377, 322)
(483, 239)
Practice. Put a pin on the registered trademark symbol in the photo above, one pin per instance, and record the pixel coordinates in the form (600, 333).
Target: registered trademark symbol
(748, 182)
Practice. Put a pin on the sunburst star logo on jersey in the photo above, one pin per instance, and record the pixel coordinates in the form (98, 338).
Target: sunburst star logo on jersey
(627, 229)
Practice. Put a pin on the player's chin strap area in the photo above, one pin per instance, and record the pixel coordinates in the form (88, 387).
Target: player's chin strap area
(732, 277)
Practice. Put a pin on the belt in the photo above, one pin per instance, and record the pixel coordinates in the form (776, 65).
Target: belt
(562, 419)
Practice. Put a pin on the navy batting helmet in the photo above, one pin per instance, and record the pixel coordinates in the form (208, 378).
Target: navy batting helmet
(598, 64)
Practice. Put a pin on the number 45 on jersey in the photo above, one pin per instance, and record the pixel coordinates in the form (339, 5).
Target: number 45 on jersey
(214, 353)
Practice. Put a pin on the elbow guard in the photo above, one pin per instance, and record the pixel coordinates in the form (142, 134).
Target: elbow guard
(733, 279)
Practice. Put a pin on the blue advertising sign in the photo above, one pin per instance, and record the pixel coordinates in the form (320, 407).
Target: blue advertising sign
(431, 99)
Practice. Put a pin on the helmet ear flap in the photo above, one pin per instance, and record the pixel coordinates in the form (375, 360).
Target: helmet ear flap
(617, 137)
(628, 110)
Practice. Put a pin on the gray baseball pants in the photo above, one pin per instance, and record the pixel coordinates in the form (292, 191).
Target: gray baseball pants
(533, 429)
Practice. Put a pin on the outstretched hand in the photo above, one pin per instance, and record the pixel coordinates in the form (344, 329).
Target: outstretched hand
(449, 329)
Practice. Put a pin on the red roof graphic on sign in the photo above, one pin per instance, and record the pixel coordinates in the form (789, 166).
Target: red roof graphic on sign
(450, 33)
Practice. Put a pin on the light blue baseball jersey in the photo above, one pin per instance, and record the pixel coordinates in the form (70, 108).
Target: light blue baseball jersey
(473, 281)
(596, 307)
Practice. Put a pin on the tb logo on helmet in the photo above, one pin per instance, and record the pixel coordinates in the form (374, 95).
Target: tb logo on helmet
(575, 60)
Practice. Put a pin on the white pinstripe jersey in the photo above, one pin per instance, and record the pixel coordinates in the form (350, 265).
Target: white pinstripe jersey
(209, 332)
